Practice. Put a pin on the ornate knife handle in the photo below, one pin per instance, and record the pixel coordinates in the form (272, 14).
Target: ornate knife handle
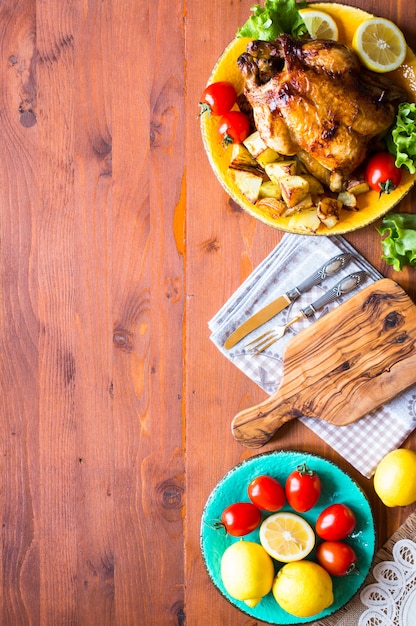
(331, 267)
(345, 285)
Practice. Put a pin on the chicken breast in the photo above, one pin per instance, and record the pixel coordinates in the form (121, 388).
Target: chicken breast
(313, 98)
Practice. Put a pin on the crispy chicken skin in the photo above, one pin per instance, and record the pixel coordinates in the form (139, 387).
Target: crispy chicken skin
(313, 96)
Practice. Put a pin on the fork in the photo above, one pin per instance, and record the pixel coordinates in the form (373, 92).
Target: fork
(345, 285)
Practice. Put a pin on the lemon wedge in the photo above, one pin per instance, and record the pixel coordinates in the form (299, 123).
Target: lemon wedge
(287, 537)
(380, 45)
(320, 25)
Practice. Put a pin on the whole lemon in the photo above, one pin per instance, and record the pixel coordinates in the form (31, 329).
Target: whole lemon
(395, 478)
(303, 588)
(247, 571)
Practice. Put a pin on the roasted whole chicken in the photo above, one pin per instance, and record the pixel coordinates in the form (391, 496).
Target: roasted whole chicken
(312, 98)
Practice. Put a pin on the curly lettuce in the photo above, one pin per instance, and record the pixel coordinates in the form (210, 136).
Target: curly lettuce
(277, 17)
(399, 244)
(401, 141)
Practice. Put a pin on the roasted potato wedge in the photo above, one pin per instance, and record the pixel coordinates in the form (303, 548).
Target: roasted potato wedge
(248, 182)
(294, 189)
(307, 221)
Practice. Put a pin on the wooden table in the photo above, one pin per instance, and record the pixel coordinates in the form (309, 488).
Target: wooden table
(117, 245)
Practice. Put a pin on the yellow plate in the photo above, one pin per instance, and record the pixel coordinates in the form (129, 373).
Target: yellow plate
(371, 206)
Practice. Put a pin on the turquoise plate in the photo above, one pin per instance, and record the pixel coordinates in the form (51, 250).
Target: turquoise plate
(337, 486)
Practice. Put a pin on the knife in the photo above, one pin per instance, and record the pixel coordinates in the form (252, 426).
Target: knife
(344, 286)
(329, 268)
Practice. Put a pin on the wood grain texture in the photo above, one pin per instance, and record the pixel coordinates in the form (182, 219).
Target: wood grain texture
(92, 309)
(345, 365)
(117, 245)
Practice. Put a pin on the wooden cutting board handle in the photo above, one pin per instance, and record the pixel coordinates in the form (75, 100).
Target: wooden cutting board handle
(255, 426)
(344, 365)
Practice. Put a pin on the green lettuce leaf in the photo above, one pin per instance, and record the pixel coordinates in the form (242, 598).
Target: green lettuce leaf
(277, 17)
(399, 244)
(401, 141)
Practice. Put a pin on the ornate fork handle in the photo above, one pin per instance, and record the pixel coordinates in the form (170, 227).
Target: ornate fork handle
(345, 285)
(331, 267)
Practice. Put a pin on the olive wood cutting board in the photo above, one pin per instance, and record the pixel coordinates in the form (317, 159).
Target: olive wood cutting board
(347, 363)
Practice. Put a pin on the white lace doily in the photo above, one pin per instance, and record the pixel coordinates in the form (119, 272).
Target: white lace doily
(391, 601)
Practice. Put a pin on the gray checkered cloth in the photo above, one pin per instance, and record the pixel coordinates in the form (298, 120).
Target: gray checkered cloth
(363, 443)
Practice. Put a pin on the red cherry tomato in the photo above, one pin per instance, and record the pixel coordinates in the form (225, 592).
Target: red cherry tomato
(267, 493)
(218, 98)
(240, 518)
(335, 522)
(303, 488)
(234, 127)
(338, 558)
(381, 173)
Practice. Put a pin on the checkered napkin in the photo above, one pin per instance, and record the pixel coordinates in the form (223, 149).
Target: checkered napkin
(362, 443)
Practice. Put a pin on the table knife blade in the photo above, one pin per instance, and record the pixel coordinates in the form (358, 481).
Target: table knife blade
(329, 268)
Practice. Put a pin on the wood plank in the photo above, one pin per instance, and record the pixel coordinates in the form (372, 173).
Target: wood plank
(19, 353)
(147, 310)
(75, 518)
(223, 246)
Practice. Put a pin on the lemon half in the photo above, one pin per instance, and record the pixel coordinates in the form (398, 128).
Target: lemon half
(380, 44)
(287, 537)
(320, 25)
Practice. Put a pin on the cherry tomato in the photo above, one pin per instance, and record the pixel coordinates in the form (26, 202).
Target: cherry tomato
(338, 558)
(218, 98)
(303, 488)
(335, 522)
(381, 173)
(234, 126)
(267, 493)
(240, 518)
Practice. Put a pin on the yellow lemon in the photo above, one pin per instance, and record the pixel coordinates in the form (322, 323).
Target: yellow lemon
(303, 588)
(320, 25)
(395, 478)
(380, 44)
(247, 571)
(287, 537)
